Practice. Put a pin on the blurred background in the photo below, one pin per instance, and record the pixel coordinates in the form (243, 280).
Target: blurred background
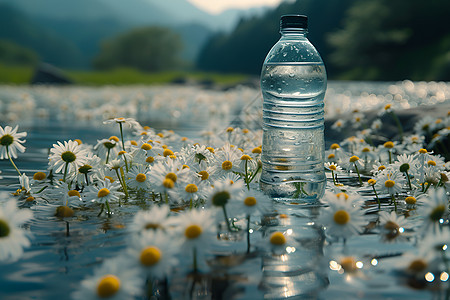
(117, 41)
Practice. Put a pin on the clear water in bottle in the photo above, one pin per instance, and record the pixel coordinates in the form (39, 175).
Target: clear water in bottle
(293, 83)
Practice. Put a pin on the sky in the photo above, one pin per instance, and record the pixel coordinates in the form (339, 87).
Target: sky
(217, 6)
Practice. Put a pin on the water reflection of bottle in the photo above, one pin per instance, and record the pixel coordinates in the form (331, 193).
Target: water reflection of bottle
(293, 84)
(295, 270)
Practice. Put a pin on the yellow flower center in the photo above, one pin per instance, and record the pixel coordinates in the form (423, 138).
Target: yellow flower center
(193, 231)
(204, 175)
(227, 165)
(122, 152)
(168, 183)
(30, 199)
(64, 212)
(160, 135)
(185, 167)
(114, 138)
(6, 140)
(366, 149)
(4, 229)
(167, 152)
(437, 213)
(150, 256)
(103, 193)
(371, 181)
(332, 167)
(277, 238)
(172, 176)
(389, 183)
(418, 265)
(191, 188)
(39, 176)
(348, 264)
(108, 286)
(388, 145)
(210, 149)
(246, 157)
(341, 217)
(257, 150)
(134, 143)
(387, 106)
(381, 168)
(423, 151)
(150, 159)
(141, 177)
(146, 146)
(354, 158)
(68, 156)
(110, 179)
(230, 129)
(410, 200)
(73, 193)
(431, 163)
(331, 156)
(250, 201)
(334, 146)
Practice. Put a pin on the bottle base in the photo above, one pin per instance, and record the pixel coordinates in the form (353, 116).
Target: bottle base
(302, 192)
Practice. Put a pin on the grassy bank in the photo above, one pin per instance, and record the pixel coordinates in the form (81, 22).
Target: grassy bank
(23, 75)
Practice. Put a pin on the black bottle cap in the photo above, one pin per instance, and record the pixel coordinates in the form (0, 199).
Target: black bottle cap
(294, 21)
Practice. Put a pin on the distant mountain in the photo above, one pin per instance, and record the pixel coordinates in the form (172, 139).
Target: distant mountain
(81, 25)
(16, 27)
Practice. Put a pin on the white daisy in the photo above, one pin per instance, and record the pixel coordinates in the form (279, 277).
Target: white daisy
(113, 280)
(157, 218)
(104, 192)
(434, 210)
(154, 253)
(12, 238)
(197, 226)
(341, 219)
(10, 142)
(393, 226)
(390, 181)
(226, 160)
(67, 157)
(139, 177)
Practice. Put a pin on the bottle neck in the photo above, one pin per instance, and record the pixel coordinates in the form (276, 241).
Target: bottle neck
(293, 32)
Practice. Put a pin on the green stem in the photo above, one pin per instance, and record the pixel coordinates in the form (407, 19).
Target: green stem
(390, 156)
(376, 195)
(124, 187)
(107, 155)
(226, 218)
(12, 162)
(254, 174)
(395, 202)
(247, 182)
(123, 146)
(65, 171)
(359, 176)
(409, 180)
(107, 207)
(87, 178)
(194, 253)
(332, 175)
(248, 233)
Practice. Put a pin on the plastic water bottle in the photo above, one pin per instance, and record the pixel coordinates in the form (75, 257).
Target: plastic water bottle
(293, 84)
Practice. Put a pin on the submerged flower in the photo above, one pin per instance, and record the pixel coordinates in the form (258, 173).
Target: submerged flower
(12, 237)
(434, 210)
(10, 142)
(393, 226)
(113, 280)
(153, 252)
(341, 219)
(157, 218)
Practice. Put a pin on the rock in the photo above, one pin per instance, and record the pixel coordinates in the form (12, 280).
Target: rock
(48, 74)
